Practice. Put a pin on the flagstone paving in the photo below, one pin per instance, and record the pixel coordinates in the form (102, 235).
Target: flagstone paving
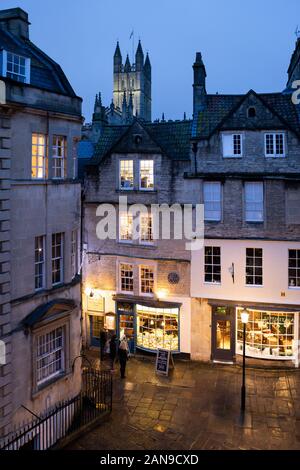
(198, 407)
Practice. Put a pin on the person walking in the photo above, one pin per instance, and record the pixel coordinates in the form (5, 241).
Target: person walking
(123, 354)
(103, 339)
(112, 350)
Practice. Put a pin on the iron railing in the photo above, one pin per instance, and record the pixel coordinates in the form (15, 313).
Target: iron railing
(67, 417)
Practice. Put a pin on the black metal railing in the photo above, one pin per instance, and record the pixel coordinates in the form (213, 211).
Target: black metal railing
(67, 417)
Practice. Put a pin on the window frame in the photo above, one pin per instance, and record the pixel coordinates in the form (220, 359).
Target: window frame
(219, 184)
(212, 282)
(27, 67)
(56, 158)
(129, 230)
(226, 135)
(140, 176)
(275, 154)
(254, 267)
(61, 258)
(38, 263)
(253, 220)
(296, 268)
(121, 160)
(152, 269)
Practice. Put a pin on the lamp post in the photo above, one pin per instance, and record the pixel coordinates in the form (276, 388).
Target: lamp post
(244, 318)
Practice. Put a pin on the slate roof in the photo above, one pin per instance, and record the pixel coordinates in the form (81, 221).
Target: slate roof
(172, 137)
(45, 73)
(220, 107)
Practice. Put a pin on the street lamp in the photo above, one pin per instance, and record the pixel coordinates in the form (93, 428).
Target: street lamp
(245, 318)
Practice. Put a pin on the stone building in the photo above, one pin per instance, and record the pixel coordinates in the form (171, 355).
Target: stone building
(40, 212)
(239, 157)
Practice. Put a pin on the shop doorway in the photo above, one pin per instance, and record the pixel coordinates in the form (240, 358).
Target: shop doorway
(223, 334)
(96, 326)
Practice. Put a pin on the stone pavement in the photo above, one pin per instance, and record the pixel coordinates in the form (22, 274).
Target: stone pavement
(198, 407)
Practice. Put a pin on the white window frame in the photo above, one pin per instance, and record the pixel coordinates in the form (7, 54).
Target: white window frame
(74, 252)
(131, 292)
(248, 218)
(141, 279)
(148, 229)
(226, 144)
(212, 201)
(275, 154)
(126, 218)
(254, 267)
(295, 268)
(38, 263)
(58, 258)
(37, 146)
(124, 160)
(213, 283)
(59, 161)
(26, 65)
(43, 357)
(141, 162)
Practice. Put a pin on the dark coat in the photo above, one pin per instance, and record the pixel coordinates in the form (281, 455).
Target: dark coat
(113, 348)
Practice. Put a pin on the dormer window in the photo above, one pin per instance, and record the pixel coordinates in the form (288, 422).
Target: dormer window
(16, 67)
(251, 112)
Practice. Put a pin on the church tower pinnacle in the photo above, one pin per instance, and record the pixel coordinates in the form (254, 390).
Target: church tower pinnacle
(134, 82)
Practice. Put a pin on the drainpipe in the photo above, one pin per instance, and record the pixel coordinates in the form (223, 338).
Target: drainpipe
(195, 150)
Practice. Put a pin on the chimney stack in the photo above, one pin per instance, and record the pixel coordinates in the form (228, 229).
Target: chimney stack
(15, 20)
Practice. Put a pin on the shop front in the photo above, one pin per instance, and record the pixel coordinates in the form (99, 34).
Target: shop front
(272, 333)
(149, 325)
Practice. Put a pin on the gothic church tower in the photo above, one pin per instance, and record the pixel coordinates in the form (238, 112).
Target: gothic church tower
(132, 84)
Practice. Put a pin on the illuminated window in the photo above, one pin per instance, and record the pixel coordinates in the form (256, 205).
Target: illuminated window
(16, 67)
(212, 201)
(50, 361)
(126, 276)
(59, 154)
(212, 264)
(126, 174)
(126, 227)
(74, 253)
(294, 268)
(157, 328)
(147, 279)
(254, 266)
(274, 145)
(146, 228)
(38, 158)
(57, 258)
(146, 174)
(269, 335)
(254, 202)
(39, 262)
(232, 145)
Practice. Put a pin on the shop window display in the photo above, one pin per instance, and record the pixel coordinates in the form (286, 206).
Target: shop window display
(157, 328)
(269, 335)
